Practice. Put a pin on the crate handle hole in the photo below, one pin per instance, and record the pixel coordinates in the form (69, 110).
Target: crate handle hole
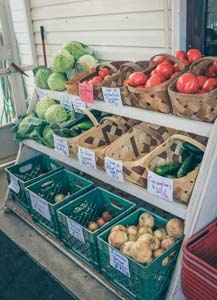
(26, 168)
(47, 185)
(117, 204)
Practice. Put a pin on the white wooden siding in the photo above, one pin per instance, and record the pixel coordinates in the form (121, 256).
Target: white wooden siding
(124, 29)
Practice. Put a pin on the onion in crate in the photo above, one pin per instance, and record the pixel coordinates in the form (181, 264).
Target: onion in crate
(146, 219)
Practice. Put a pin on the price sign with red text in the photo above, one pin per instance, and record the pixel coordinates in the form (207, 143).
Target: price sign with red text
(86, 92)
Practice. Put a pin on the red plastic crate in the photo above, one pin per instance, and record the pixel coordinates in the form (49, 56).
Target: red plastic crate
(199, 271)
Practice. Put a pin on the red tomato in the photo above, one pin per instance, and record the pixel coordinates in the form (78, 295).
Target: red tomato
(202, 80)
(137, 78)
(193, 54)
(103, 72)
(161, 58)
(211, 71)
(210, 84)
(185, 62)
(187, 84)
(176, 68)
(202, 91)
(175, 74)
(96, 79)
(181, 54)
(166, 69)
(106, 77)
(155, 80)
(154, 72)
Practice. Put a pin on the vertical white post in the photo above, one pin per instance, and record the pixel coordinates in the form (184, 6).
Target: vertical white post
(179, 17)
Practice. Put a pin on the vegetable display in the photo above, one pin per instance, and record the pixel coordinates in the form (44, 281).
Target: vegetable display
(41, 77)
(144, 242)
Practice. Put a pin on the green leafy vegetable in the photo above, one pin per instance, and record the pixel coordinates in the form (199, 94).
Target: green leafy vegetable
(75, 49)
(56, 114)
(62, 60)
(47, 135)
(56, 82)
(41, 78)
(42, 106)
(88, 61)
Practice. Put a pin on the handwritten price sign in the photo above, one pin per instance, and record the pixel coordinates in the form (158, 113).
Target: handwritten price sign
(119, 262)
(75, 230)
(114, 169)
(14, 185)
(87, 157)
(78, 104)
(40, 205)
(112, 96)
(86, 92)
(61, 145)
(65, 101)
(160, 186)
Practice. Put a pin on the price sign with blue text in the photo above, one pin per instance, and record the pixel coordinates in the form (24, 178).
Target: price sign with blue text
(114, 169)
(61, 145)
(119, 262)
(40, 205)
(112, 96)
(87, 157)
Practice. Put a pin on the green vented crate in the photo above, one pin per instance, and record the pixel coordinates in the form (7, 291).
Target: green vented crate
(27, 172)
(74, 218)
(138, 281)
(42, 193)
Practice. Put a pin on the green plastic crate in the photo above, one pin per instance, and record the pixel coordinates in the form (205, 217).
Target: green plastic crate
(26, 173)
(138, 281)
(41, 197)
(75, 216)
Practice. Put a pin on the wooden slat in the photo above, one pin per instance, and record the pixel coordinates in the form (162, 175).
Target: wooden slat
(95, 7)
(41, 3)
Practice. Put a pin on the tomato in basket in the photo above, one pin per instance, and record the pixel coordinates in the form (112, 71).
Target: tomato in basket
(188, 84)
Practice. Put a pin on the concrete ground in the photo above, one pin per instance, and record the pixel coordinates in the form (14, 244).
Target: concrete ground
(72, 276)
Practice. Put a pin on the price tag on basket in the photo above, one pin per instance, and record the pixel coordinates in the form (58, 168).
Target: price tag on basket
(114, 169)
(119, 262)
(160, 186)
(14, 185)
(78, 104)
(41, 93)
(40, 205)
(87, 157)
(65, 101)
(75, 230)
(61, 145)
(112, 96)
(86, 92)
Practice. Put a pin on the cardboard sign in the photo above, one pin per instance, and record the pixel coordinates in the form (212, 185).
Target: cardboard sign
(114, 169)
(61, 145)
(119, 262)
(78, 104)
(75, 230)
(112, 96)
(86, 92)
(65, 101)
(160, 186)
(14, 185)
(87, 157)
(40, 205)
(41, 93)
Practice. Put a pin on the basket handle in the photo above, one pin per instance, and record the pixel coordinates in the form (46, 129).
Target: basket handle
(110, 66)
(90, 116)
(173, 58)
(132, 65)
(114, 120)
(197, 62)
(149, 131)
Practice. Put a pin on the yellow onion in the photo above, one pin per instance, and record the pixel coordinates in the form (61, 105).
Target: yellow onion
(100, 222)
(175, 228)
(141, 252)
(158, 253)
(144, 229)
(126, 248)
(117, 238)
(160, 233)
(146, 219)
(106, 216)
(92, 226)
(59, 197)
(149, 239)
(119, 227)
(157, 243)
(167, 242)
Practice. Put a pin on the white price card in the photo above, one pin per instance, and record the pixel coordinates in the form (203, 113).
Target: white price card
(112, 96)
(14, 185)
(78, 104)
(75, 230)
(40, 205)
(160, 186)
(42, 93)
(114, 168)
(61, 145)
(66, 101)
(119, 262)
(87, 157)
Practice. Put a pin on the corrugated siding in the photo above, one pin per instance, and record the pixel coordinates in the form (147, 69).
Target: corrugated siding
(124, 29)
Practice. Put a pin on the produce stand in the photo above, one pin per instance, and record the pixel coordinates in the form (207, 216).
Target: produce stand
(201, 208)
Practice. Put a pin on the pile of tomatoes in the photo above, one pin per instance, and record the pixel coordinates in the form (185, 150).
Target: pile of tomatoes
(164, 70)
(103, 74)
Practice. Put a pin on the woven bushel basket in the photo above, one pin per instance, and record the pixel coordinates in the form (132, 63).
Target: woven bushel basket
(117, 79)
(170, 152)
(201, 107)
(97, 88)
(154, 98)
(99, 137)
(132, 149)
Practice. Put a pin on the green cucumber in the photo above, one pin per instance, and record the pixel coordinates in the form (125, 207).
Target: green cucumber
(185, 154)
(168, 169)
(191, 148)
(198, 158)
(187, 166)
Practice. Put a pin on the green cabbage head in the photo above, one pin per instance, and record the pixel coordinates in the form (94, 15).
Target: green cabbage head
(75, 49)
(56, 82)
(47, 135)
(41, 78)
(62, 60)
(88, 61)
(56, 114)
(42, 106)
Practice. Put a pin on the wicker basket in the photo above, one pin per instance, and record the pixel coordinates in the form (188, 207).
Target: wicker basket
(99, 137)
(154, 98)
(201, 107)
(72, 84)
(132, 149)
(170, 152)
(117, 80)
